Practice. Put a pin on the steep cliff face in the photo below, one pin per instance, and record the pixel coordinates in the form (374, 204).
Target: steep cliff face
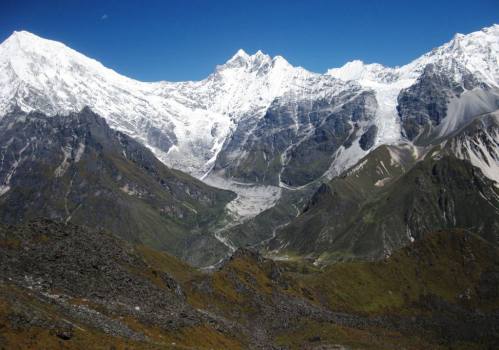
(294, 143)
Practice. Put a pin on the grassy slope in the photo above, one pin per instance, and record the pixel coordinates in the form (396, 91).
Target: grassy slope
(448, 266)
(334, 206)
(445, 266)
(353, 216)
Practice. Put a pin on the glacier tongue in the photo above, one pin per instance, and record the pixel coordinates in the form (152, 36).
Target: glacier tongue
(251, 199)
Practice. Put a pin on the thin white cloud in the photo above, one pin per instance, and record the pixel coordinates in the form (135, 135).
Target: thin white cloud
(104, 17)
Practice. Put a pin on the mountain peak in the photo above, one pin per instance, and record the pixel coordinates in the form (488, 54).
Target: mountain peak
(240, 54)
(26, 39)
(476, 52)
(20, 34)
(26, 50)
(243, 59)
(23, 34)
(259, 53)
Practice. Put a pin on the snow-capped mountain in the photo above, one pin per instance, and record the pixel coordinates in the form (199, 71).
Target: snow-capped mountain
(475, 53)
(440, 114)
(468, 63)
(257, 119)
(185, 123)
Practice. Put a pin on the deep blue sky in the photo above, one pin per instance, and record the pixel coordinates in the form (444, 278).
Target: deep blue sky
(185, 39)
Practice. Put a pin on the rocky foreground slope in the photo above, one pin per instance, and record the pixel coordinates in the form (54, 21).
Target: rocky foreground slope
(66, 286)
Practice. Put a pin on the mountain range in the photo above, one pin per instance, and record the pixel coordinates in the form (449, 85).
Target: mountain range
(264, 207)
(264, 129)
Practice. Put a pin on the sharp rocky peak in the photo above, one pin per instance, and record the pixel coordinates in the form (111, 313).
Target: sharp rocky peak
(256, 61)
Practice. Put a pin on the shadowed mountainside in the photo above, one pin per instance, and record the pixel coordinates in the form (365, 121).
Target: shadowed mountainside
(76, 169)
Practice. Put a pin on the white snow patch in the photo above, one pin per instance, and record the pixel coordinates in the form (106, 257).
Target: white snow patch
(4, 189)
(63, 167)
(382, 182)
(79, 152)
(128, 189)
(5, 186)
